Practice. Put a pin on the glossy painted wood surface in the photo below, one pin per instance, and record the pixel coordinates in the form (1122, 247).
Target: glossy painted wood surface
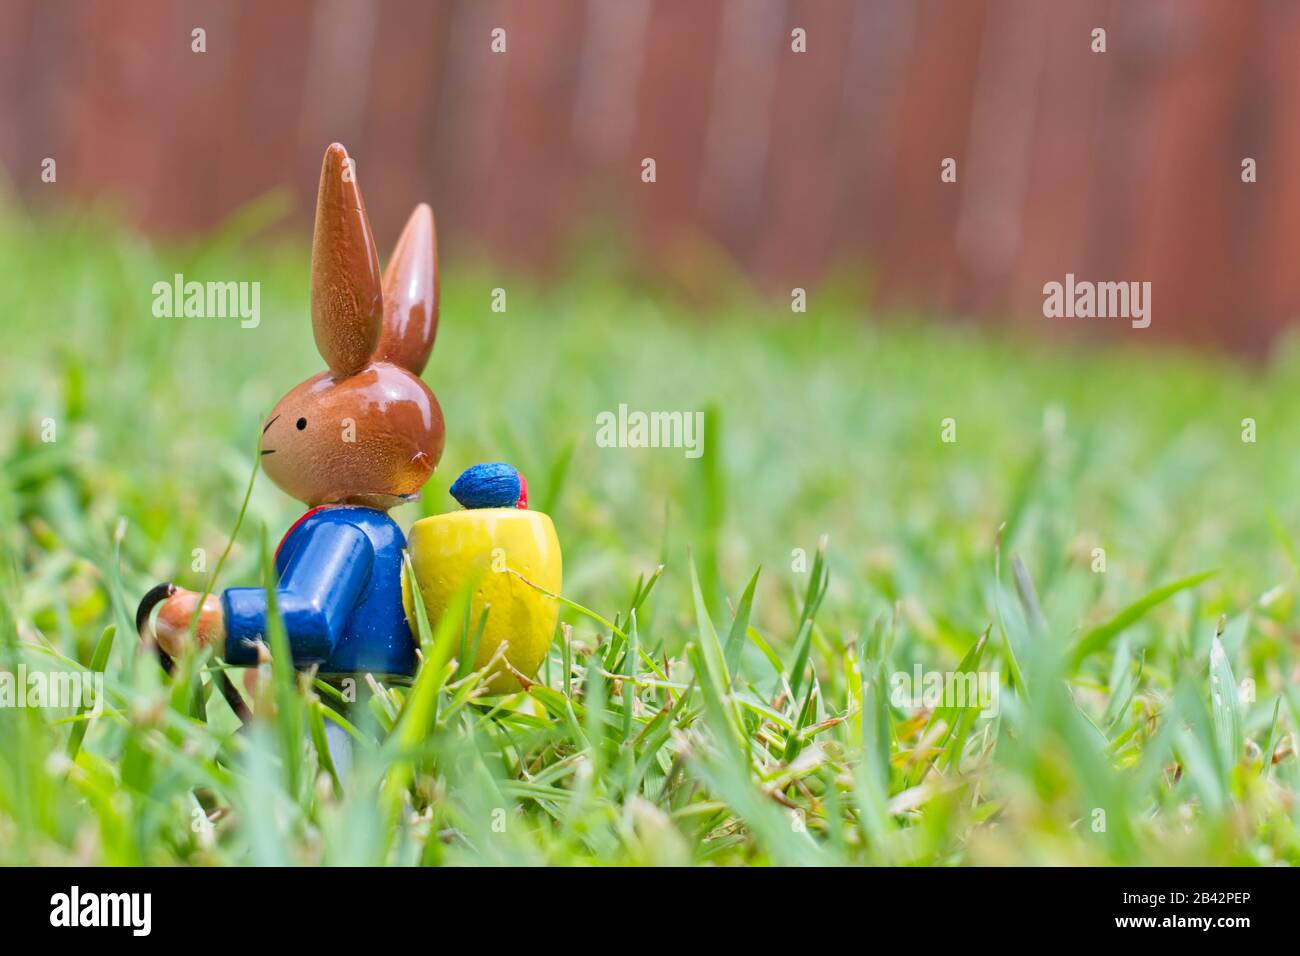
(411, 295)
(368, 430)
(347, 305)
(371, 438)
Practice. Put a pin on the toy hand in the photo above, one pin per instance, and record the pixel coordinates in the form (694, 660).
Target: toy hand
(173, 625)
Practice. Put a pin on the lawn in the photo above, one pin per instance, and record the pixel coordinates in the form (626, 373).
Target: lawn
(1146, 692)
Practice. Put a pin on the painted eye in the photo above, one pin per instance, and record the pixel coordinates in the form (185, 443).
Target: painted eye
(302, 423)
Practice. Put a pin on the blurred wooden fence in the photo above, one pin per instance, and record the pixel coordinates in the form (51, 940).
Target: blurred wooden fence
(1117, 166)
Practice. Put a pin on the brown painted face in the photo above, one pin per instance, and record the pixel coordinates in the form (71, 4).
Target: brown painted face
(370, 438)
(368, 430)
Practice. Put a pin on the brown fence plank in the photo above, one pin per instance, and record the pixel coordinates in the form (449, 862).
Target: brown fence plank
(792, 238)
(913, 229)
(1274, 200)
(1062, 186)
(405, 87)
(674, 105)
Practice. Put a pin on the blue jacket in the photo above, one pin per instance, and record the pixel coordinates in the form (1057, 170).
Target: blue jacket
(339, 596)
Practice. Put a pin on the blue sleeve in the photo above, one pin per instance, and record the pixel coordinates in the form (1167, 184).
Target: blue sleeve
(320, 586)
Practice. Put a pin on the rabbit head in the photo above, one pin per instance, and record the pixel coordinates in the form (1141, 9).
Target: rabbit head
(367, 430)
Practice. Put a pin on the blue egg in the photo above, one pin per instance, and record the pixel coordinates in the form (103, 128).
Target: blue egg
(494, 485)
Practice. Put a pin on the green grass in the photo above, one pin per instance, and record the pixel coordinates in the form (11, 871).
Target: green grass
(692, 715)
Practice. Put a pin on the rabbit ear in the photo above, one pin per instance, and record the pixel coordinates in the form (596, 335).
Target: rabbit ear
(346, 298)
(411, 295)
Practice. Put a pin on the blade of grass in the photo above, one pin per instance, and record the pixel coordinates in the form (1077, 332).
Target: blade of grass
(1098, 638)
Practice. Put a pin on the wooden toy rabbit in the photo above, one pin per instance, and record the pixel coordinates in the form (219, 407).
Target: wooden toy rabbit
(350, 442)
(354, 441)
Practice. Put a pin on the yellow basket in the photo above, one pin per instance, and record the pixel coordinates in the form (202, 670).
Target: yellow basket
(498, 547)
